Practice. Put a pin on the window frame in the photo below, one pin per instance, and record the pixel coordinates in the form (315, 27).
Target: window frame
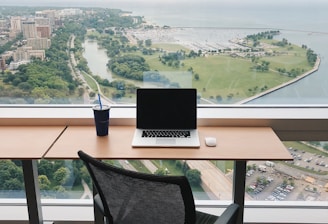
(290, 123)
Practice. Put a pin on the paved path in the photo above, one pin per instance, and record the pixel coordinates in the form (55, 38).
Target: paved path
(87, 193)
(149, 165)
(213, 179)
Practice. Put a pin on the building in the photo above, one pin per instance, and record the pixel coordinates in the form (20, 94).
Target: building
(41, 21)
(2, 63)
(38, 43)
(43, 31)
(3, 24)
(70, 12)
(26, 53)
(29, 29)
(21, 54)
(14, 65)
(15, 24)
(36, 54)
(46, 15)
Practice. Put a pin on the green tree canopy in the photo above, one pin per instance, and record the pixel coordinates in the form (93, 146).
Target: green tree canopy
(193, 176)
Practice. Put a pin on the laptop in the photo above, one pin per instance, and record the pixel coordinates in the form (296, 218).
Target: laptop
(166, 118)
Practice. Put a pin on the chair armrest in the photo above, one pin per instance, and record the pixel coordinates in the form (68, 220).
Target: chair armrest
(229, 216)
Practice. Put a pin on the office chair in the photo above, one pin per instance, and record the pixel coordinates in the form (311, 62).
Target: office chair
(128, 197)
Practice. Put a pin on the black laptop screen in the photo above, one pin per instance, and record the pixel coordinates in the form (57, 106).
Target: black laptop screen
(166, 108)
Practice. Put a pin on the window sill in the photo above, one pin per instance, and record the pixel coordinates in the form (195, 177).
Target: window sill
(255, 212)
(292, 123)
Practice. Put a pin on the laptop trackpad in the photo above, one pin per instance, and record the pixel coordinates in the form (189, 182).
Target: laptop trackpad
(161, 141)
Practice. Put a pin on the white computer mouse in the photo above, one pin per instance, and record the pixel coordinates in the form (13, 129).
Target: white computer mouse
(210, 141)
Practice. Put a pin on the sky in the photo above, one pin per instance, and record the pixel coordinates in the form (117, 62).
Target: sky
(41, 2)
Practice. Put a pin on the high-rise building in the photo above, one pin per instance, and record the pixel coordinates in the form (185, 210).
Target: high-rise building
(38, 43)
(46, 14)
(3, 24)
(29, 29)
(43, 31)
(15, 24)
(40, 21)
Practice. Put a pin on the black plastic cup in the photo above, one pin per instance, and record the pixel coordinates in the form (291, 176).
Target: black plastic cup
(101, 116)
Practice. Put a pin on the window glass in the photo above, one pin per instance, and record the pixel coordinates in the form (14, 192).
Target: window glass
(233, 52)
(303, 179)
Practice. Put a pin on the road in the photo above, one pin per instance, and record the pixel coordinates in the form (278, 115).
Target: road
(77, 73)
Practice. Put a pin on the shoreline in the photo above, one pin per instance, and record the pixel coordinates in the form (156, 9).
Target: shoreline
(314, 69)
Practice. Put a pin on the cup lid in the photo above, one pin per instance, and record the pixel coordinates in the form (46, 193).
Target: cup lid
(104, 107)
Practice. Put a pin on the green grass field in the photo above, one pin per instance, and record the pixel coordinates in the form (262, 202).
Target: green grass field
(224, 76)
(229, 79)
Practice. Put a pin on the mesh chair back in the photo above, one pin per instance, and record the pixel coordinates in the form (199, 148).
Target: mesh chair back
(131, 197)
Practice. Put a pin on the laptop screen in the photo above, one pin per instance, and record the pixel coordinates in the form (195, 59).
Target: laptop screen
(166, 108)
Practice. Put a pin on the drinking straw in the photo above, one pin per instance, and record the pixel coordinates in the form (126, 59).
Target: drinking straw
(99, 99)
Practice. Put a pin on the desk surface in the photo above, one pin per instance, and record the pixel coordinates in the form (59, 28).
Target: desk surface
(233, 143)
(27, 142)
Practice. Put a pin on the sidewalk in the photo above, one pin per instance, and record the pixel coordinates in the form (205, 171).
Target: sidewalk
(213, 179)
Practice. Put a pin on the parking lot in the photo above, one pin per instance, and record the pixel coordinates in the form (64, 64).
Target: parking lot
(311, 161)
(281, 182)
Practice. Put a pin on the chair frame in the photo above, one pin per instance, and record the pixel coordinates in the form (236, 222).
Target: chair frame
(181, 181)
(227, 217)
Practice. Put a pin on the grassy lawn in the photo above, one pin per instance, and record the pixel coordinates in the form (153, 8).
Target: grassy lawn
(223, 165)
(90, 81)
(223, 75)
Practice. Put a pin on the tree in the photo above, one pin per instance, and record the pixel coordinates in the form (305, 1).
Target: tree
(81, 91)
(325, 146)
(44, 182)
(13, 184)
(11, 176)
(45, 167)
(61, 176)
(196, 76)
(148, 42)
(61, 192)
(193, 176)
(161, 171)
(219, 98)
(140, 43)
(84, 173)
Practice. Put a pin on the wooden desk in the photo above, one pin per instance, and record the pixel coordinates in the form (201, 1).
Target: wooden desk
(233, 143)
(29, 143)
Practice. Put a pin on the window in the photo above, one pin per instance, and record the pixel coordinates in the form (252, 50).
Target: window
(238, 54)
(233, 52)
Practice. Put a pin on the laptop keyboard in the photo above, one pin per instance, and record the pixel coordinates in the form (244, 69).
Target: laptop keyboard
(165, 134)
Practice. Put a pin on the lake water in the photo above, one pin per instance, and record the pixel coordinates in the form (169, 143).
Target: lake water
(300, 22)
(97, 59)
